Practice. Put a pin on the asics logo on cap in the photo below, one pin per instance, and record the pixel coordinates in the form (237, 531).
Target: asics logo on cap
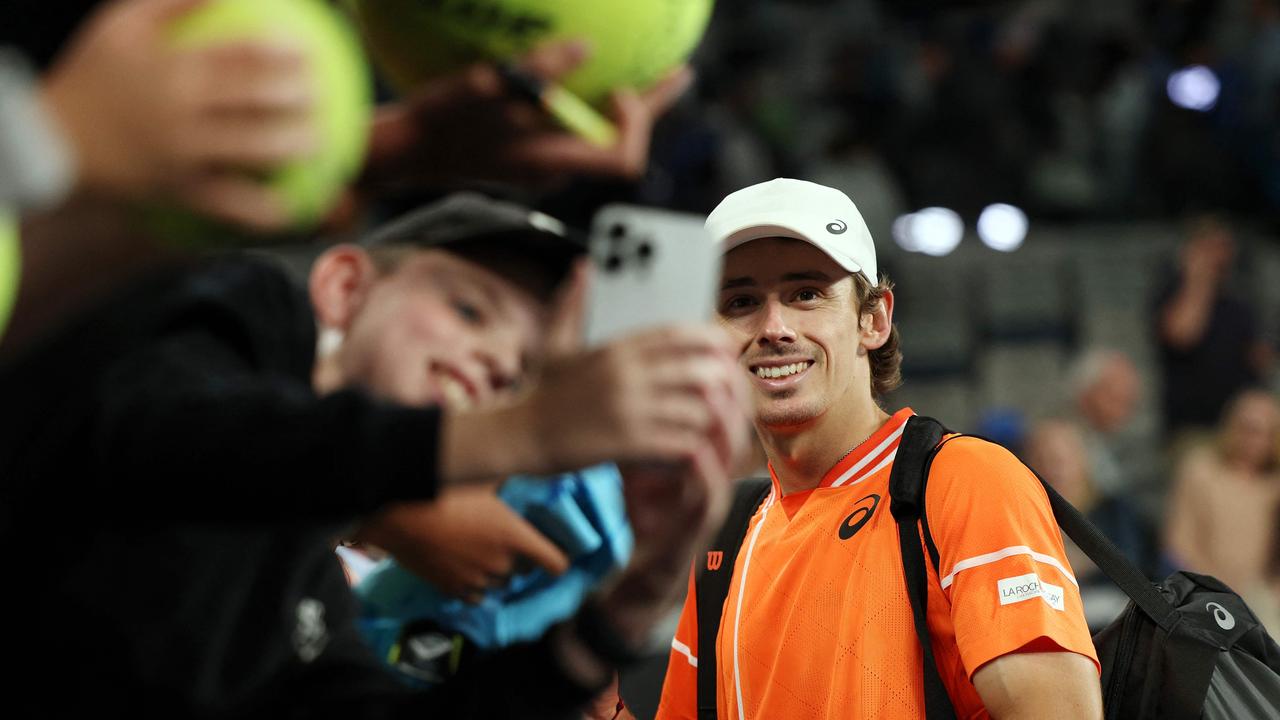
(837, 227)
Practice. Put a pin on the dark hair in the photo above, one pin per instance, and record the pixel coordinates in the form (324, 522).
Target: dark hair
(886, 360)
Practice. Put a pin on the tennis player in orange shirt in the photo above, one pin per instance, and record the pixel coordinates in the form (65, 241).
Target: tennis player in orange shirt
(817, 623)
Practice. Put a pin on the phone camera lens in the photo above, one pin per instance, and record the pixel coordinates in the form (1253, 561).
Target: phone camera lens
(618, 231)
(613, 263)
(645, 251)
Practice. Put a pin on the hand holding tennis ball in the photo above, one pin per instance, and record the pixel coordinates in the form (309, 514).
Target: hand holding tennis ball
(470, 126)
(634, 43)
(337, 89)
(253, 112)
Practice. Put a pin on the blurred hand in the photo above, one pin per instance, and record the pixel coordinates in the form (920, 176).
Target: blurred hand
(466, 542)
(470, 126)
(655, 396)
(149, 121)
(660, 395)
(674, 508)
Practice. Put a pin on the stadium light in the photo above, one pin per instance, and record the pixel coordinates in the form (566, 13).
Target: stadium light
(935, 231)
(1002, 227)
(902, 232)
(1195, 87)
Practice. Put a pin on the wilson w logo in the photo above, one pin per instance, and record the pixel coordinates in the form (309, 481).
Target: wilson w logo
(714, 559)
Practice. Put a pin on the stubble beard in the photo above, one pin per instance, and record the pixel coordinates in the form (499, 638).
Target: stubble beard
(785, 409)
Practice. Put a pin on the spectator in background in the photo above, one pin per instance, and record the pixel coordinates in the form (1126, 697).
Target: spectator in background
(1221, 519)
(1105, 387)
(1057, 449)
(1210, 346)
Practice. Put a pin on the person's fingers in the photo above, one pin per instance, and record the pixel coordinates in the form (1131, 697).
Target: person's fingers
(554, 60)
(667, 91)
(738, 383)
(522, 116)
(524, 539)
(237, 199)
(251, 59)
(723, 428)
(634, 120)
(478, 83)
(705, 471)
(267, 78)
(264, 100)
(561, 152)
(715, 486)
(734, 422)
(681, 411)
(568, 313)
(678, 340)
(699, 373)
(670, 443)
(741, 431)
(633, 115)
(251, 142)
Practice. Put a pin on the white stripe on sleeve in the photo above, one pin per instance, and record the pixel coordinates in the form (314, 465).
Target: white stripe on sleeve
(1012, 551)
(685, 651)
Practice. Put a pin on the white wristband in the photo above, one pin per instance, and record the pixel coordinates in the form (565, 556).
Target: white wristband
(37, 168)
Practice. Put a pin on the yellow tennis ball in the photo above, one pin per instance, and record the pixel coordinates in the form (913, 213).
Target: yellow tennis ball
(341, 88)
(10, 267)
(633, 42)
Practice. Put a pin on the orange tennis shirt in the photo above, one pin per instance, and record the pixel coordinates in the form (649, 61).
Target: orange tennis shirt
(817, 623)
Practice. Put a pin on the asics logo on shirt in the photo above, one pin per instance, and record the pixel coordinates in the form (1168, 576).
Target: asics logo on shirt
(859, 517)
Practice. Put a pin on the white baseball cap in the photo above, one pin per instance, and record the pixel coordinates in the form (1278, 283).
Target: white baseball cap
(821, 216)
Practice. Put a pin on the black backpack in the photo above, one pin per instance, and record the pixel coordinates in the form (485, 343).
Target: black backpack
(1185, 649)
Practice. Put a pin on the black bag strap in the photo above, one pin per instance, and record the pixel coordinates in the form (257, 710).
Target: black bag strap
(1105, 555)
(1109, 559)
(907, 490)
(907, 482)
(1091, 542)
(712, 584)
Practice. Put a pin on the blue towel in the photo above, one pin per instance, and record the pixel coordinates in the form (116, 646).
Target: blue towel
(582, 512)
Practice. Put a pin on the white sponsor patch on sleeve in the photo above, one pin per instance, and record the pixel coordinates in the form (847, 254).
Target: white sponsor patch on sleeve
(1024, 587)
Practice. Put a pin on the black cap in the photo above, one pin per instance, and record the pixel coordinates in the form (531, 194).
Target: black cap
(528, 247)
(469, 217)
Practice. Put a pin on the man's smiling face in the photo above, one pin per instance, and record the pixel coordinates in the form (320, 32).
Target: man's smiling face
(794, 313)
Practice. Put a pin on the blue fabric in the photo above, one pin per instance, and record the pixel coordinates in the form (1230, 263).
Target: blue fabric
(582, 512)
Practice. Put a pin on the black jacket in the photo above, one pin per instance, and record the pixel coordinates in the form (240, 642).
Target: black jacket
(170, 487)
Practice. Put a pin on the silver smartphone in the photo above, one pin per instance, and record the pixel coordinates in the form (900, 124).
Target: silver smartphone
(652, 268)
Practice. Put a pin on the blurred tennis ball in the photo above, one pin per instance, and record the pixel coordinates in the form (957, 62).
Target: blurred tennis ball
(633, 42)
(10, 267)
(341, 88)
